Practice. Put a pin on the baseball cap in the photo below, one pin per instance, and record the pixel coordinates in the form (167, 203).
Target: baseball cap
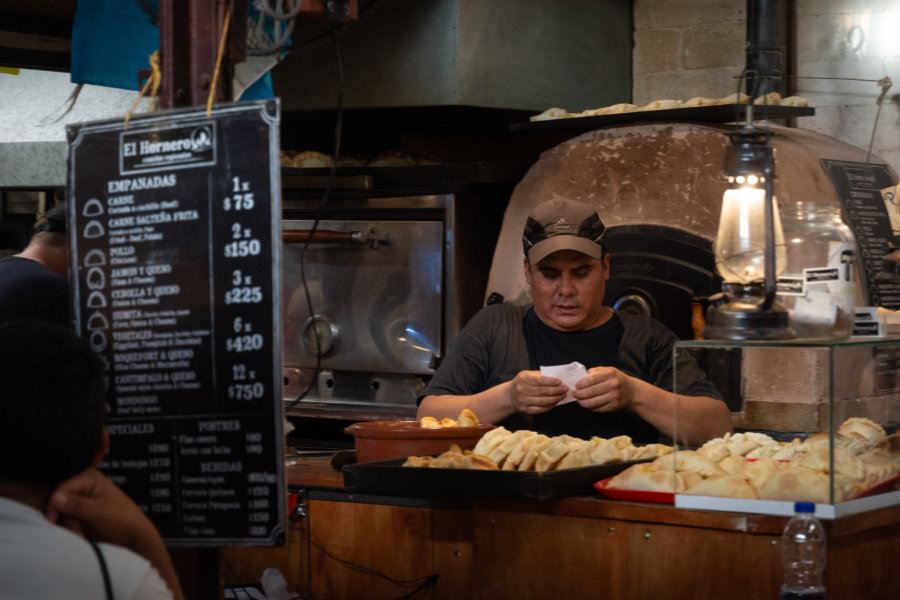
(52, 220)
(561, 224)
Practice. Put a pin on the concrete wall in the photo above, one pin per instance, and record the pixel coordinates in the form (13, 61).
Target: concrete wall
(32, 140)
(686, 48)
(852, 39)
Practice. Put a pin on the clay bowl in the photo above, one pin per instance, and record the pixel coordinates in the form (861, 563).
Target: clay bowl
(382, 440)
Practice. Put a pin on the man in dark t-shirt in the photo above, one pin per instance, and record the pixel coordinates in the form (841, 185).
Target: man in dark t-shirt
(494, 365)
(34, 283)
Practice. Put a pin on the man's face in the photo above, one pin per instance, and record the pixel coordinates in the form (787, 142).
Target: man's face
(567, 289)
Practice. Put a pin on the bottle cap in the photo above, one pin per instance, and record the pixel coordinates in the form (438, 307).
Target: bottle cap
(804, 507)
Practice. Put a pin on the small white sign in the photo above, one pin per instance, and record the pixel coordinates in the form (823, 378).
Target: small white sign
(569, 374)
(866, 322)
(791, 285)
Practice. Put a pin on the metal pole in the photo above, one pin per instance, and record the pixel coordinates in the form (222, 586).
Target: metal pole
(766, 46)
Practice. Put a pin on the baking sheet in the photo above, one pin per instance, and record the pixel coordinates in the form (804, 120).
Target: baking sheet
(669, 498)
(368, 178)
(720, 113)
(602, 486)
(389, 477)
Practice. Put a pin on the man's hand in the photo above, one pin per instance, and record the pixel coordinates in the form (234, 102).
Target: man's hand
(91, 503)
(533, 393)
(604, 389)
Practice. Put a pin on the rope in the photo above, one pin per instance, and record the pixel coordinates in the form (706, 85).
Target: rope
(212, 87)
(885, 83)
(153, 80)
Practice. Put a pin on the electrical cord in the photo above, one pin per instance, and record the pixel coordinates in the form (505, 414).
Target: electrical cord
(364, 12)
(885, 83)
(338, 128)
(423, 582)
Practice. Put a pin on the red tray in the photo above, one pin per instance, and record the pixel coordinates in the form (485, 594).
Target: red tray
(879, 488)
(642, 496)
(667, 498)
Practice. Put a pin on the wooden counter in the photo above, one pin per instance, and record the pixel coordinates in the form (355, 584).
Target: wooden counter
(584, 547)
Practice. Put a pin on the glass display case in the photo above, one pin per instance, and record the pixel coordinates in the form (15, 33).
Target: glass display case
(813, 420)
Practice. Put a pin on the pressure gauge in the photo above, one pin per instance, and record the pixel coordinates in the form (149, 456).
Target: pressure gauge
(319, 326)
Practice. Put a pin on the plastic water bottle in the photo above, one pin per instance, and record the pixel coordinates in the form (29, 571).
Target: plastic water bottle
(803, 555)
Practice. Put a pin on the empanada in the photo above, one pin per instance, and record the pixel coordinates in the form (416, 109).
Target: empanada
(759, 470)
(733, 464)
(514, 459)
(643, 477)
(714, 452)
(845, 464)
(727, 486)
(794, 101)
(796, 485)
(429, 423)
(502, 450)
(467, 419)
(699, 101)
(550, 114)
(556, 450)
(531, 454)
(863, 428)
(688, 460)
(491, 440)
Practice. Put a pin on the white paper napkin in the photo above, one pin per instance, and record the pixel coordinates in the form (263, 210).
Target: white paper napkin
(569, 374)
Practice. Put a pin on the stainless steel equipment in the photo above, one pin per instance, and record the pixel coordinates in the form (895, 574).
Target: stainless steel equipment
(390, 280)
(376, 325)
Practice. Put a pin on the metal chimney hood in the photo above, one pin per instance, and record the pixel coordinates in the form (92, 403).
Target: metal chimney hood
(508, 54)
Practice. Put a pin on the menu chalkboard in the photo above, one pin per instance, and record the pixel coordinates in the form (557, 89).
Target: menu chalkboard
(175, 245)
(858, 186)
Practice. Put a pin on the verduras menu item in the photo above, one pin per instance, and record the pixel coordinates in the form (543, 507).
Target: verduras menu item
(174, 231)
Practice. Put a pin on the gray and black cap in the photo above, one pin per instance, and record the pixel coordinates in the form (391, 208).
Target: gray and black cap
(561, 224)
(52, 220)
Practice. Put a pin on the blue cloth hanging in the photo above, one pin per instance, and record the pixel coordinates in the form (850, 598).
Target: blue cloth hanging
(112, 40)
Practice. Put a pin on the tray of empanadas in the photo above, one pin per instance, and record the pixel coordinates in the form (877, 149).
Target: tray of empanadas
(391, 477)
(730, 109)
(826, 468)
(511, 464)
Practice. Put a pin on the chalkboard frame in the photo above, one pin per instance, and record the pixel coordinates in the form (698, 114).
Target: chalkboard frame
(223, 140)
(857, 186)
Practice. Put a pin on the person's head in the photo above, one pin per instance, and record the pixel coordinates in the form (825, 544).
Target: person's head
(51, 403)
(49, 242)
(52, 221)
(566, 265)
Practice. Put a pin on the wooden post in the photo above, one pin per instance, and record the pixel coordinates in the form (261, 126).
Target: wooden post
(189, 32)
